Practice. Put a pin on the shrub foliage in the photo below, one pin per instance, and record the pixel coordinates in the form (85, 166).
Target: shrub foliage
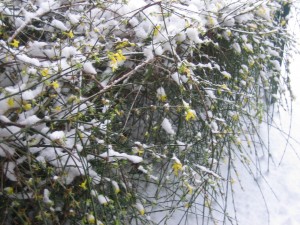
(125, 112)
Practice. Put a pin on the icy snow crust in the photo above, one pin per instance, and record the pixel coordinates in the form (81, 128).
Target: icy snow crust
(53, 86)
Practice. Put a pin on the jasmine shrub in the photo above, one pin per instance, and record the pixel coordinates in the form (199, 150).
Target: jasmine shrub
(128, 112)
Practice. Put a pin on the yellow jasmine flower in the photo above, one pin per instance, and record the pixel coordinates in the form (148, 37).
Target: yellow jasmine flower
(97, 30)
(190, 115)
(45, 72)
(124, 44)
(140, 152)
(235, 117)
(9, 190)
(248, 47)
(187, 205)
(183, 69)
(238, 142)
(11, 102)
(161, 94)
(162, 98)
(251, 62)
(224, 86)
(70, 34)
(103, 200)
(15, 43)
(91, 219)
(120, 57)
(114, 67)
(115, 59)
(52, 95)
(27, 106)
(226, 75)
(83, 185)
(228, 32)
(211, 21)
(117, 190)
(118, 112)
(116, 187)
(156, 30)
(189, 187)
(177, 166)
(55, 84)
(72, 99)
(140, 208)
(111, 56)
(57, 108)
(261, 11)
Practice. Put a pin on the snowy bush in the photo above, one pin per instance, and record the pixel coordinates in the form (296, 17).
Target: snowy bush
(125, 112)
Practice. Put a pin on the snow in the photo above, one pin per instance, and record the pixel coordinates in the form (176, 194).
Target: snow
(276, 65)
(6, 151)
(103, 200)
(30, 120)
(24, 58)
(264, 11)
(279, 186)
(176, 78)
(158, 50)
(248, 47)
(167, 126)
(111, 155)
(116, 186)
(69, 51)
(214, 127)
(193, 35)
(140, 208)
(227, 21)
(182, 146)
(226, 74)
(89, 68)
(208, 171)
(15, 89)
(63, 57)
(210, 93)
(244, 17)
(46, 196)
(56, 135)
(48, 5)
(9, 170)
(160, 93)
(148, 52)
(59, 25)
(273, 52)
(142, 169)
(4, 119)
(9, 131)
(31, 94)
(74, 18)
(176, 159)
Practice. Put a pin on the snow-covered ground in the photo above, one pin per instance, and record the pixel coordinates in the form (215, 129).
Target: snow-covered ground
(272, 196)
(276, 200)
